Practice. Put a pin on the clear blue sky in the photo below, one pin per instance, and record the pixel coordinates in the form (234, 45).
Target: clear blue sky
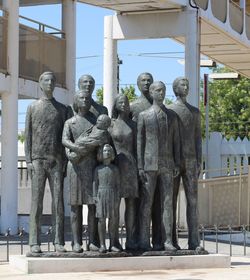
(137, 56)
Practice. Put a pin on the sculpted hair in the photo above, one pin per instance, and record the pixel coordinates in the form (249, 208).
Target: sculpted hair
(46, 73)
(75, 100)
(143, 74)
(114, 112)
(176, 82)
(84, 77)
(154, 84)
(100, 152)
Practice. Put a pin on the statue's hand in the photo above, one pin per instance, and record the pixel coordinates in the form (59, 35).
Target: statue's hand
(176, 171)
(142, 176)
(73, 157)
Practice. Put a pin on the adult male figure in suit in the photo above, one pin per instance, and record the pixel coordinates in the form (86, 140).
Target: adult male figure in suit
(158, 156)
(191, 154)
(45, 157)
(86, 83)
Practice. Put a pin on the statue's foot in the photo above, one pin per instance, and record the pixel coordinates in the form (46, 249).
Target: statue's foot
(93, 247)
(131, 247)
(169, 247)
(77, 248)
(60, 248)
(35, 249)
(145, 247)
(197, 249)
(158, 247)
(115, 249)
(177, 246)
(102, 249)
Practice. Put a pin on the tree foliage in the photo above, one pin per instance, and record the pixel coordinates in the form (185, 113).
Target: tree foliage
(129, 91)
(229, 106)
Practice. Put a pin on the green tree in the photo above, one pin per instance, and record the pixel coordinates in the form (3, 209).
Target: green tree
(21, 137)
(129, 91)
(229, 106)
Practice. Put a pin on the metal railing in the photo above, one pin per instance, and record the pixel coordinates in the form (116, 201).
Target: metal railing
(230, 240)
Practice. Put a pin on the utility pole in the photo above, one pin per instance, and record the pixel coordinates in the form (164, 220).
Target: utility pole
(119, 62)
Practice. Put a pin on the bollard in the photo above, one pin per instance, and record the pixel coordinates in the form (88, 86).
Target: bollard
(230, 239)
(48, 233)
(216, 238)
(203, 236)
(244, 239)
(20, 234)
(7, 234)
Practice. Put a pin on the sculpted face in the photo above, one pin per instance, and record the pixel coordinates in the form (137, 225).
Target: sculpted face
(83, 101)
(122, 104)
(47, 84)
(144, 82)
(182, 88)
(107, 152)
(87, 84)
(158, 92)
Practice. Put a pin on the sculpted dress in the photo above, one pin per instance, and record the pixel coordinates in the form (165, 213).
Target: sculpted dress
(123, 137)
(80, 172)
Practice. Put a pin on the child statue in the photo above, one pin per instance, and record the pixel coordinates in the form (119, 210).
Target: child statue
(106, 187)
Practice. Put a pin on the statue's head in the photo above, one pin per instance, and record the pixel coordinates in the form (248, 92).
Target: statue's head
(144, 81)
(47, 82)
(103, 122)
(157, 91)
(181, 86)
(82, 101)
(121, 105)
(105, 152)
(86, 83)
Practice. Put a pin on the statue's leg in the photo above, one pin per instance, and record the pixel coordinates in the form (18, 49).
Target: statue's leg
(166, 191)
(190, 183)
(130, 216)
(93, 228)
(156, 221)
(55, 177)
(37, 192)
(147, 196)
(115, 223)
(102, 234)
(76, 223)
(175, 196)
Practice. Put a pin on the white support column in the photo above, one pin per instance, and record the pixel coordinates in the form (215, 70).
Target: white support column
(192, 55)
(109, 64)
(69, 27)
(9, 171)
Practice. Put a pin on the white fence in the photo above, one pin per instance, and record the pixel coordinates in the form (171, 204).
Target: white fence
(225, 157)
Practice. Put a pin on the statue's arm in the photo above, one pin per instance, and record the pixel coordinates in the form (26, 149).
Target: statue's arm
(95, 184)
(66, 138)
(176, 145)
(141, 147)
(198, 140)
(28, 136)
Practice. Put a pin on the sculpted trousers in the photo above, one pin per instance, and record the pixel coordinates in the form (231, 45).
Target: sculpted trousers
(42, 170)
(162, 179)
(190, 184)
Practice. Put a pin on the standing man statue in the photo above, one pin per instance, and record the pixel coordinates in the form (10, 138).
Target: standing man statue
(87, 84)
(143, 102)
(158, 159)
(191, 154)
(45, 157)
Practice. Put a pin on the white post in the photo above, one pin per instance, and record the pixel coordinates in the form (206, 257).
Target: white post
(192, 55)
(69, 27)
(109, 64)
(9, 171)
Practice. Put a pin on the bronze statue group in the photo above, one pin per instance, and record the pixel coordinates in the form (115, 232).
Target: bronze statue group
(140, 154)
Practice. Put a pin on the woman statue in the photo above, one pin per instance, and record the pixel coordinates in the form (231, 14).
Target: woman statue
(123, 133)
(82, 162)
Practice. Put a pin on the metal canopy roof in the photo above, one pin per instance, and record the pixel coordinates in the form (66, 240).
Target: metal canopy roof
(124, 6)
